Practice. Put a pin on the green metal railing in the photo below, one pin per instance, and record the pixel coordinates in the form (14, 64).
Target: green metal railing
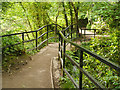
(37, 44)
(62, 54)
(63, 40)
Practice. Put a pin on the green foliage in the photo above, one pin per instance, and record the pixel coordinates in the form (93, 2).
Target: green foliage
(66, 83)
(12, 51)
(107, 76)
(10, 41)
(6, 5)
(27, 16)
(107, 47)
(107, 12)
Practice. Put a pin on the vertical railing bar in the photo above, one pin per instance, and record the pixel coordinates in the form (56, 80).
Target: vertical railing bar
(84, 35)
(61, 55)
(39, 38)
(77, 30)
(94, 33)
(23, 38)
(71, 31)
(47, 35)
(59, 48)
(59, 42)
(81, 34)
(36, 40)
(81, 65)
(81, 30)
(56, 33)
(71, 34)
(64, 54)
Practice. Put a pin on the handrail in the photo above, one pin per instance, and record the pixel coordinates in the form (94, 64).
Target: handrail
(109, 63)
(62, 54)
(77, 31)
(80, 28)
(97, 83)
(31, 31)
(36, 38)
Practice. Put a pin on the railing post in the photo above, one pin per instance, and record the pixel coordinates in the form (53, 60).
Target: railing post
(36, 39)
(23, 38)
(81, 65)
(81, 34)
(47, 35)
(60, 50)
(94, 32)
(64, 49)
(59, 47)
(77, 30)
(55, 32)
(56, 28)
(71, 31)
(84, 35)
(61, 54)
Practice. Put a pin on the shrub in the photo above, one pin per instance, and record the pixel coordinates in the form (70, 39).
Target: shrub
(10, 53)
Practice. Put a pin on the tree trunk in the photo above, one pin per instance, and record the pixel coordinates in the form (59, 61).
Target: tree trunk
(25, 30)
(27, 18)
(71, 14)
(65, 15)
(37, 17)
(57, 17)
(76, 16)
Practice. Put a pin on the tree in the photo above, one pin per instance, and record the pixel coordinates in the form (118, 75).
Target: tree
(65, 15)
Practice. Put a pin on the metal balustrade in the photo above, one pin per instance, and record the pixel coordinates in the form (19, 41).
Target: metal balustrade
(63, 40)
(36, 34)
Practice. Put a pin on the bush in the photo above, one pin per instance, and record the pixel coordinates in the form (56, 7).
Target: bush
(10, 53)
(106, 47)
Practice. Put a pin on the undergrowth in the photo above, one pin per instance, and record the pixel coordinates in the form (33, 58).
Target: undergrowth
(106, 47)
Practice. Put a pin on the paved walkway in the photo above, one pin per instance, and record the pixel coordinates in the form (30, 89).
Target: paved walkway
(90, 32)
(35, 74)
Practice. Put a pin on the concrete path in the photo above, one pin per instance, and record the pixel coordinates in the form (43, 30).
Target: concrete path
(86, 31)
(36, 74)
(90, 32)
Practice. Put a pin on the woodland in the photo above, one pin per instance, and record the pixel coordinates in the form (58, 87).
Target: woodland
(17, 17)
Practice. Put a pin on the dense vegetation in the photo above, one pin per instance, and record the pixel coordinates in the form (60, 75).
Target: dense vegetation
(29, 16)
